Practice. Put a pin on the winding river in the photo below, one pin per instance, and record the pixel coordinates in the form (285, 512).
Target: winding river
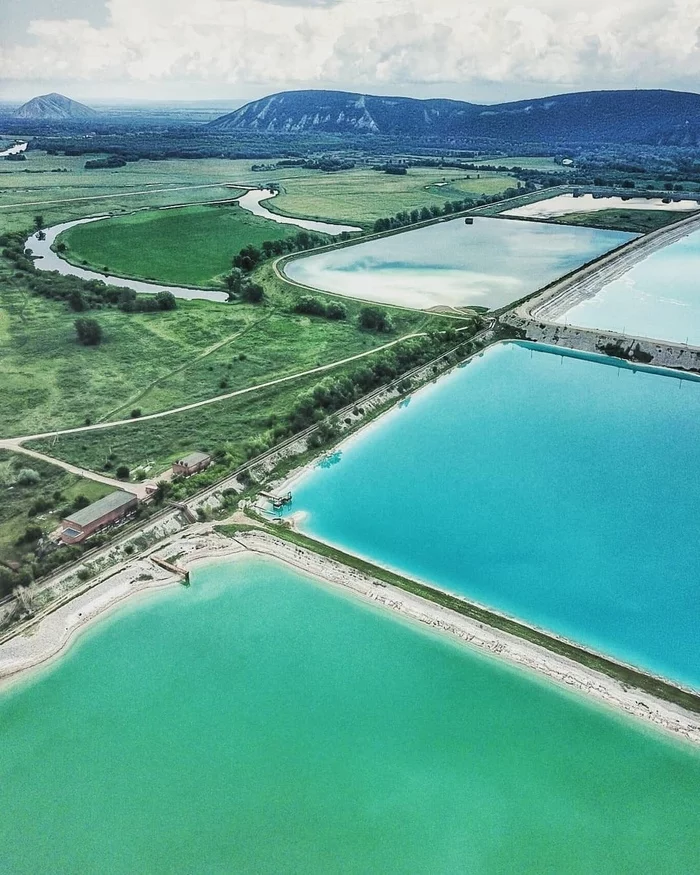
(252, 202)
(47, 259)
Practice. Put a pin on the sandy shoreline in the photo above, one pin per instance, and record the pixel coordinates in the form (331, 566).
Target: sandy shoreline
(53, 634)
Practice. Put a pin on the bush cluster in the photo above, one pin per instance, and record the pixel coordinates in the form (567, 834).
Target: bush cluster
(79, 294)
(311, 306)
(102, 163)
(250, 256)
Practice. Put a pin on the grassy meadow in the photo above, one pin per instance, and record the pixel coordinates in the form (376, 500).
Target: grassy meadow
(159, 360)
(637, 221)
(361, 196)
(186, 246)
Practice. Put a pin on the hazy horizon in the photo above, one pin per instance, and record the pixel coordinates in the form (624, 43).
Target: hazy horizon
(115, 51)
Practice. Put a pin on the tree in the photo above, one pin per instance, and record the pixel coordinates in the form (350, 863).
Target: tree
(373, 318)
(76, 301)
(89, 331)
(27, 477)
(38, 222)
(234, 282)
(166, 300)
(335, 310)
(252, 293)
(123, 472)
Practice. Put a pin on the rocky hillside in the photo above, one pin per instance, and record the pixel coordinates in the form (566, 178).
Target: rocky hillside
(54, 107)
(655, 117)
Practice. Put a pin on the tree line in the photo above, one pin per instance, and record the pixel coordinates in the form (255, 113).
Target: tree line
(250, 257)
(79, 294)
(405, 218)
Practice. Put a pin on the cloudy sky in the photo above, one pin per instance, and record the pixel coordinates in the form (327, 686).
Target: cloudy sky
(481, 50)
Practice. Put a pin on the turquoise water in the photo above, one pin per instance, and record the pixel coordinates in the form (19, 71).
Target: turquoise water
(258, 723)
(487, 264)
(659, 297)
(555, 488)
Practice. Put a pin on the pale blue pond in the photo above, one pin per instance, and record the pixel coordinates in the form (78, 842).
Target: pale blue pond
(659, 297)
(487, 264)
(561, 489)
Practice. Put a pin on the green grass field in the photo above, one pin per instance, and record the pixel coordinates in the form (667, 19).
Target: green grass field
(155, 361)
(361, 196)
(187, 246)
(54, 484)
(639, 221)
(527, 163)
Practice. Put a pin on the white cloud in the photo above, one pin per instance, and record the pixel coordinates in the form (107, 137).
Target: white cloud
(370, 43)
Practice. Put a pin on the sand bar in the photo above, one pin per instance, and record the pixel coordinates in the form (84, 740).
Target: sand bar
(51, 635)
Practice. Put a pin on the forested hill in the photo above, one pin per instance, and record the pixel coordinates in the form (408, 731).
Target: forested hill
(653, 117)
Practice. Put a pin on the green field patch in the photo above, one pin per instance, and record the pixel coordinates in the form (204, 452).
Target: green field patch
(185, 246)
(156, 361)
(363, 195)
(639, 221)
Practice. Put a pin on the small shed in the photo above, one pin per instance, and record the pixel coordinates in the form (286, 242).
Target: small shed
(111, 509)
(191, 464)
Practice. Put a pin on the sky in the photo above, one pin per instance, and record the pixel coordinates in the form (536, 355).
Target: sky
(484, 51)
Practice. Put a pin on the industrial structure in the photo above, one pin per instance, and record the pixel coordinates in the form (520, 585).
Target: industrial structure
(192, 464)
(111, 509)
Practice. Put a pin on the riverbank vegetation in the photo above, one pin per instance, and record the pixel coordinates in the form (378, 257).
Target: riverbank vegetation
(192, 246)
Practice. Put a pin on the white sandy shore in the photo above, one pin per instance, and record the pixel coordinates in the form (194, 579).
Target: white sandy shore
(53, 634)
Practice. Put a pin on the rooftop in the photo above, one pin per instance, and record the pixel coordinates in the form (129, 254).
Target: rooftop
(194, 459)
(108, 504)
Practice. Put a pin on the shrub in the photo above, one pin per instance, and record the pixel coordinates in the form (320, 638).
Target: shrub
(335, 310)
(76, 301)
(80, 501)
(373, 318)
(310, 305)
(135, 413)
(31, 534)
(166, 300)
(89, 331)
(27, 477)
(122, 472)
(39, 506)
(252, 293)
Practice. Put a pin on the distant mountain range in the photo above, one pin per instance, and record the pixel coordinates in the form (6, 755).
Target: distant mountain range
(654, 117)
(54, 107)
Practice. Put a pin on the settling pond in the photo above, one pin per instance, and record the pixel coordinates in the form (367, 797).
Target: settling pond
(659, 297)
(256, 722)
(565, 204)
(488, 264)
(557, 488)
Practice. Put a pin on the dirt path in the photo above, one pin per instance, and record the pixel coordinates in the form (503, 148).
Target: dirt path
(15, 442)
(202, 355)
(138, 489)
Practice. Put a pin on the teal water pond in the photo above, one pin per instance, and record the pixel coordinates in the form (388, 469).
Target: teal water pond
(659, 297)
(560, 489)
(487, 264)
(256, 722)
